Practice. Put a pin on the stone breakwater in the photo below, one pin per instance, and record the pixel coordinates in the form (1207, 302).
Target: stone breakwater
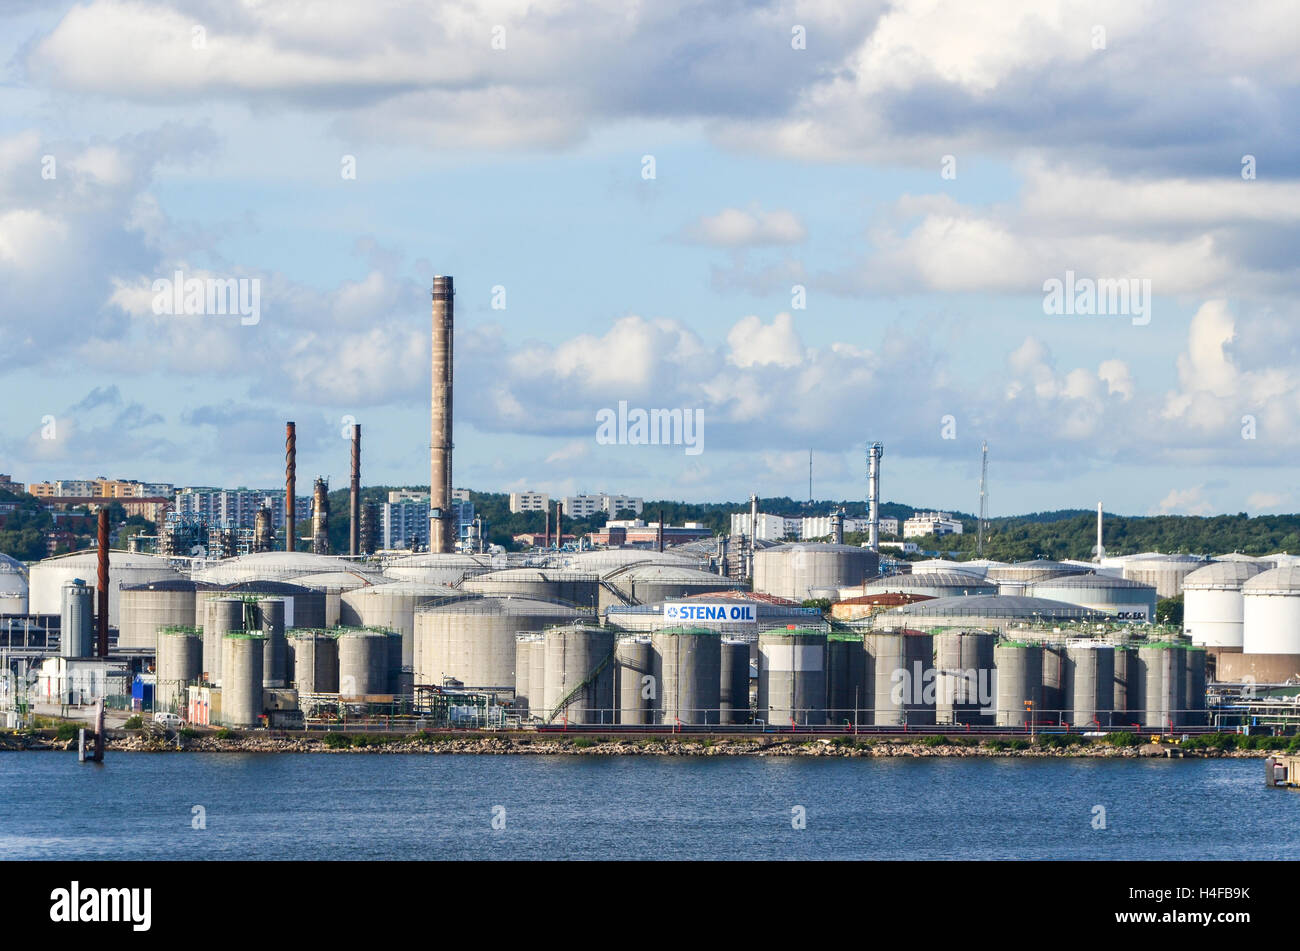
(552, 745)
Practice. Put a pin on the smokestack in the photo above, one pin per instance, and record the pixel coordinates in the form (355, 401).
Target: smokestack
(874, 451)
(1100, 550)
(661, 530)
(369, 528)
(440, 528)
(548, 527)
(290, 477)
(263, 533)
(320, 517)
(101, 614)
(837, 526)
(753, 532)
(354, 499)
(559, 525)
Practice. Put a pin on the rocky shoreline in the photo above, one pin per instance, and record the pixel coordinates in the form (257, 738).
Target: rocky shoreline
(552, 745)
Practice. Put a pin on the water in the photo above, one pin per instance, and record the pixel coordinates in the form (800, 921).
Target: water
(321, 806)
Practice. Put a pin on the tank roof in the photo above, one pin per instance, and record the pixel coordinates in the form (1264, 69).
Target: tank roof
(1224, 575)
(1282, 580)
(1090, 581)
(996, 606)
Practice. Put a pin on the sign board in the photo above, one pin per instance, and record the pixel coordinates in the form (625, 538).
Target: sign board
(689, 612)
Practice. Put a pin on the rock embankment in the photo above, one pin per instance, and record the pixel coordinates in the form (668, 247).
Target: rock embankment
(553, 745)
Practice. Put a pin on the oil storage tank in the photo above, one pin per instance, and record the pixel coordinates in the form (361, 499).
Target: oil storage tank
(579, 675)
(14, 586)
(1213, 603)
(314, 660)
(846, 689)
(146, 608)
(578, 588)
(472, 640)
(241, 679)
(1271, 612)
(1015, 579)
(1020, 681)
(1163, 669)
(1125, 599)
(733, 702)
(180, 663)
(1163, 572)
(793, 570)
(649, 583)
(363, 663)
(1089, 688)
(270, 616)
(1194, 690)
(392, 607)
(437, 567)
(526, 702)
(792, 678)
(1053, 707)
(964, 677)
(224, 616)
(303, 607)
(687, 670)
(47, 578)
(333, 584)
(636, 685)
(896, 668)
(929, 584)
(1127, 702)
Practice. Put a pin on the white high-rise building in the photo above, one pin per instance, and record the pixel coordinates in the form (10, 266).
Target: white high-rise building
(529, 502)
(931, 523)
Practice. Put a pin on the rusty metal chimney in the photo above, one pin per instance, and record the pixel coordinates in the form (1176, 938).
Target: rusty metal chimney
(559, 525)
(263, 533)
(101, 614)
(354, 499)
(290, 477)
(441, 529)
(660, 532)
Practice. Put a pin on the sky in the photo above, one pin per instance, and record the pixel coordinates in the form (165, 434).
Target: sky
(811, 225)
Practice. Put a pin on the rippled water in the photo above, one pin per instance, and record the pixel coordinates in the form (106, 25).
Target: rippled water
(321, 806)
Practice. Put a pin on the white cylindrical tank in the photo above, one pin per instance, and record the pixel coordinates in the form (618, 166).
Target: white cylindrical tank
(1127, 600)
(1271, 612)
(363, 663)
(634, 658)
(314, 659)
(1213, 605)
(793, 570)
(48, 577)
(1163, 572)
(77, 620)
(792, 678)
(688, 674)
(224, 615)
(241, 683)
(180, 663)
(147, 608)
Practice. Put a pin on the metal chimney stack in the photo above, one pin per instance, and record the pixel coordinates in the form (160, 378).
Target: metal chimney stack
(263, 533)
(101, 615)
(1101, 551)
(354, 499)
(874, 451)
(753, 532)
(290, 477)
(440, 528)
(320, 517)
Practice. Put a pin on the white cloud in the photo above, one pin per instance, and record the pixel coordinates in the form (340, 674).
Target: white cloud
(754, 343)
(1184, 502)
(735, 228)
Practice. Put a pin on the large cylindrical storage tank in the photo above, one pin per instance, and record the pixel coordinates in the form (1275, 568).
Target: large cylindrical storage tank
(1128, 600)
(473, 640)
(1163, 669)
(314, 659)
(1089, 689)
(363, 663)
(895, 668)
(437, 568)
(47, 578)
(554, 584)
(224, 615)
(1054, 702)
(929, 584)
(846, 691)
(688, 675)
(333, 584)
(180, 663)
(792, 678)
(792, 571)
(275, 664)
(1020, 679)
(77, 620)
(303, 607)
(1194, 690)
(1016, 579)
(964, 678)
(1127, 702)
(1213, 603)
(392, 607)
(241, 679)
(14, 587)
(1271, 612)
(1163, 572)
(147, 608)
(579, 675)
(635, 659)
(525, 701)
(733, 702)
(650, 583)
(537, 674)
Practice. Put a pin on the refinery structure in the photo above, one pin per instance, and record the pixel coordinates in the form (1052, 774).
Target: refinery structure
(743, 631)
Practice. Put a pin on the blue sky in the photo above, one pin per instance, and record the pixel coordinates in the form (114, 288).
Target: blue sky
(522, 168)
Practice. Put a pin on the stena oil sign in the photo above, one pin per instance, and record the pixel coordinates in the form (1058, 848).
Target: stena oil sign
(682, 612)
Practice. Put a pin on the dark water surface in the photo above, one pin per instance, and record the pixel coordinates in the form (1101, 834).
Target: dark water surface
(322, 806)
